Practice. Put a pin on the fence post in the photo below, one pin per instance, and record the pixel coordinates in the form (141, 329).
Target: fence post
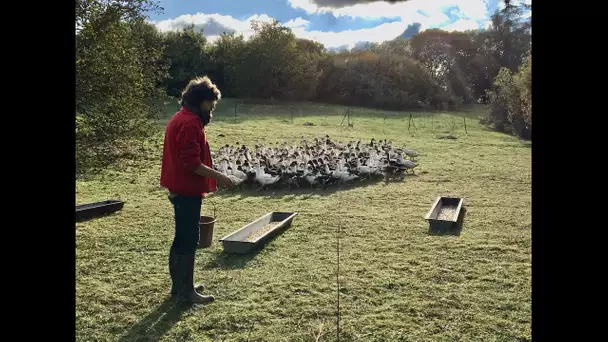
(465, 126)
(343, 118)
(409, 122)
(348, 116)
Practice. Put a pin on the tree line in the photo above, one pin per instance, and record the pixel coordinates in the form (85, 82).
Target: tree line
(124, 64)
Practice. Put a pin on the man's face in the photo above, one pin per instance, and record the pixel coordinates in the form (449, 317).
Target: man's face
(208, 107)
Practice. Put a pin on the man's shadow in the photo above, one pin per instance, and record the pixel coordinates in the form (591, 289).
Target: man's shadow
(156, 324)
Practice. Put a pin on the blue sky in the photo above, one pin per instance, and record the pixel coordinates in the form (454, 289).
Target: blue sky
(343, 26)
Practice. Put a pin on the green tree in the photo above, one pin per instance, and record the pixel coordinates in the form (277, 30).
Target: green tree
(227, 56)
(117, 67)
(186, 55)
(509, 38)
(481, 68)
(277, 65)
(433, 49)
(447, 57)
(524, 83)
(510, 107)
(267, 60)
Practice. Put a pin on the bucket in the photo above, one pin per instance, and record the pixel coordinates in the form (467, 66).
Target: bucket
(206, 224)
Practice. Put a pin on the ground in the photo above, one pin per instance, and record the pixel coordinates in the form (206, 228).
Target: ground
(397, 281)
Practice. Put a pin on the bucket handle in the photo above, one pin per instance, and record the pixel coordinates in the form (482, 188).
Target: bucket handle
(214, 207)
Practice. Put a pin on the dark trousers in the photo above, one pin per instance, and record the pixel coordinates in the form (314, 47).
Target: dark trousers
(187, 211)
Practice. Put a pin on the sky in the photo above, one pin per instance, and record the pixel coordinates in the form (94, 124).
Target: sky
(334, 23)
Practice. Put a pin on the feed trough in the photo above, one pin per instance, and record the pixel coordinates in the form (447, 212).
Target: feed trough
(257, 232)
(444, 213)
(92, 210)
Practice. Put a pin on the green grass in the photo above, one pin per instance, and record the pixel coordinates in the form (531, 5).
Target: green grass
(398, 283)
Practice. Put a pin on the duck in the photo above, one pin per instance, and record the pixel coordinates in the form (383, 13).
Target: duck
(410, 153)
(238, 173)
(263, 178)
(319, 161)
(409, 165)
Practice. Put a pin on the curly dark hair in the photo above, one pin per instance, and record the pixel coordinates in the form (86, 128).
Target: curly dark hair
(198, 90)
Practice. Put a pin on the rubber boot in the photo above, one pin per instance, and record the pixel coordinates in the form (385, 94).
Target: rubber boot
(175, 280)
(187, 293)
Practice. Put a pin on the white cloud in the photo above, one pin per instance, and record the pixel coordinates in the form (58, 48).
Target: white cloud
(297, 22)
(349, 38)
(430, 14)
(461, 25)
(215, 24)
(472, 14)
(408, 11)
(212, 24)
(306, 5)
(487, 24)
(473, 9)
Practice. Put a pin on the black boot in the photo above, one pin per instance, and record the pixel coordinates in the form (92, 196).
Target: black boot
(186, 292)
(175, 277)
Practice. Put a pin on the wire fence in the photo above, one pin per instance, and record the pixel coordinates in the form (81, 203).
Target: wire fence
(234, 111)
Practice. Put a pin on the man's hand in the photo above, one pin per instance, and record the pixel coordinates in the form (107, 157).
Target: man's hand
(224, 180)
(220, 178)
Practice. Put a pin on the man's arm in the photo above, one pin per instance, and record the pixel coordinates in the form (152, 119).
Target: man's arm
(189, 153)
(205, 171)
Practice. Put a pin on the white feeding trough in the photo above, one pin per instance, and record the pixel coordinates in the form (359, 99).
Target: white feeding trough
(444, 213)
(257, 232)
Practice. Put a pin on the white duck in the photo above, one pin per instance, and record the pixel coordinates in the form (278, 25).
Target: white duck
(364, 170)
(264, 178)
(311, 177)
(223, 167)
(238, 173)
(236, 180)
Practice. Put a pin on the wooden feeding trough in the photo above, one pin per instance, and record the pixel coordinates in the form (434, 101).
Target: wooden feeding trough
(92, 210)
(257, 232)
(444, 214)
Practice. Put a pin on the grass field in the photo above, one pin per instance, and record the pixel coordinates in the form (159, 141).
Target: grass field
(397, 282)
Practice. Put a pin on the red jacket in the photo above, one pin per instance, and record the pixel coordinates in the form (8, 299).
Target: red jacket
(184, 150)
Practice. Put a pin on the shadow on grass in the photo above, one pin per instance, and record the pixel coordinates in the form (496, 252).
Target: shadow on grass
(82, 219)
(305, 190)
(455, 230)
(156, 324)
(229, 261)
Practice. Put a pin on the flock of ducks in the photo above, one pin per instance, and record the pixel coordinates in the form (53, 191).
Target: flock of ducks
(321, 162)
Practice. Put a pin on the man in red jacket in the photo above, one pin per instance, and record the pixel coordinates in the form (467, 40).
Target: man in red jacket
(187, 172)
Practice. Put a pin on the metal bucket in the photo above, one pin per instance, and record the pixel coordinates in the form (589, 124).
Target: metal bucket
(206, 225)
